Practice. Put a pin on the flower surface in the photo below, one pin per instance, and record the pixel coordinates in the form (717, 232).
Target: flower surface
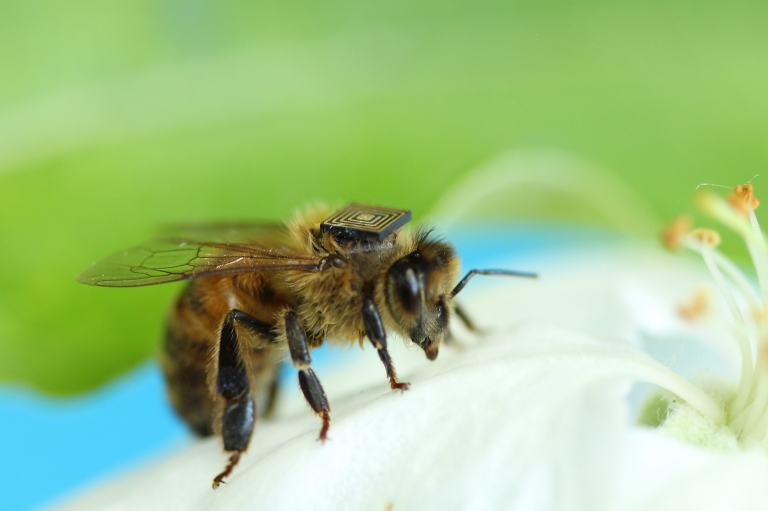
(538, 413)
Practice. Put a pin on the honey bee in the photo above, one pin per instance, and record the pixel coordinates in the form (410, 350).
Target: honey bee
(259, 292)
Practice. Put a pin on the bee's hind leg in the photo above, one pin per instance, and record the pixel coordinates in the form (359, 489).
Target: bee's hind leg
(233, 385)
(308, 381)
(374, 328)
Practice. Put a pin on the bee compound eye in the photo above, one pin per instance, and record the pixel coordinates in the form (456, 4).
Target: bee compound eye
(407, 286)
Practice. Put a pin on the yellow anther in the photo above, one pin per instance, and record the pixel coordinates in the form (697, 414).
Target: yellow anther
(743, 199)
(698, 306)
(707, 237)
(672, 236)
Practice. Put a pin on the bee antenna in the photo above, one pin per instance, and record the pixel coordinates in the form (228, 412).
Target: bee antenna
(472, 273)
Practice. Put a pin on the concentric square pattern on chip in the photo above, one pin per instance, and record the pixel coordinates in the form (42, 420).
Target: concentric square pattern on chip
(365, 221)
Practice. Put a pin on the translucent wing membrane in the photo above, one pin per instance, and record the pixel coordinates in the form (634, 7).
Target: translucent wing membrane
(263, 233)
(171, 259)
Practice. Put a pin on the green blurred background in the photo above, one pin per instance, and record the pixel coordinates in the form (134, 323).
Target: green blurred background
(117, 117)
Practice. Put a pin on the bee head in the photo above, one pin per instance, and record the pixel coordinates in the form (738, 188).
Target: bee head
(418, 292)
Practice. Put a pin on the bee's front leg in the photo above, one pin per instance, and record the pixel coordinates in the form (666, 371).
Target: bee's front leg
(233, 385)
(308, 381)
(374, 328)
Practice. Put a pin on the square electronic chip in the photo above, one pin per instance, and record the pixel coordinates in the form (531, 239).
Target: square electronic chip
(362, 221)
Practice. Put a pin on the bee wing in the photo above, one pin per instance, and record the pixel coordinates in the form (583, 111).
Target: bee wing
(163, 260)
(269, 233)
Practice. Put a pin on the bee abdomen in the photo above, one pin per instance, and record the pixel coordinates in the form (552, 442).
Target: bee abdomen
(185, 362)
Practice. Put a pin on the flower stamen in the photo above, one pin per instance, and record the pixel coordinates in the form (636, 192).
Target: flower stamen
(697, 307)
(743, 199)
(748, 411)
(672, 237)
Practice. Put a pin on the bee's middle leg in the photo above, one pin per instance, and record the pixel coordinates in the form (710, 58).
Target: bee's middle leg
(374, 328)
(308, 381)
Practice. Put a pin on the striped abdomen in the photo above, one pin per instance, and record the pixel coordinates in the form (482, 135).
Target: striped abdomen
(190, 351)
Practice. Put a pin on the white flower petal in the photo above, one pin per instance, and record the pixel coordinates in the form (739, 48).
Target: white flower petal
(663, 473)
(529, 417)
(534, 418)
(621, 291)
